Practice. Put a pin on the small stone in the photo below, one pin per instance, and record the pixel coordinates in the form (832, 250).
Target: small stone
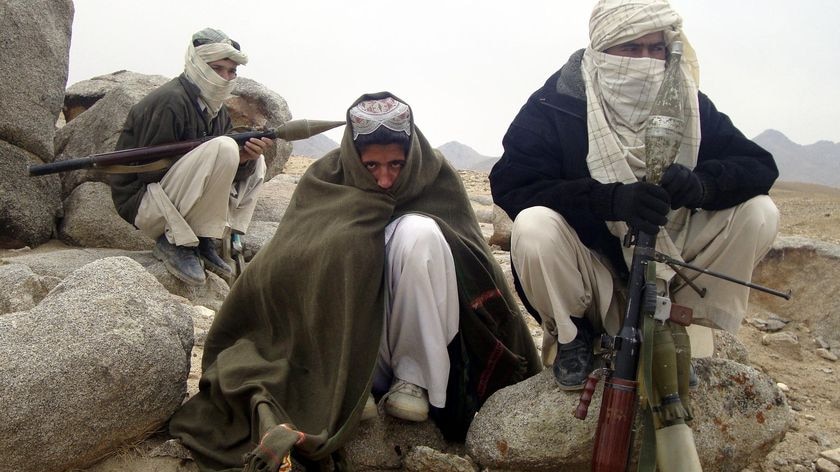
(774, 325)
(827, 370)
(820, 342)
(775, 317)
(757, 322)
(826, 466)
(800, 468)
(422, 458)
(826, 354)
(172, 448)
(832, 455)
(783, 387)
(810, 417)
(784, 343)
(821, 439)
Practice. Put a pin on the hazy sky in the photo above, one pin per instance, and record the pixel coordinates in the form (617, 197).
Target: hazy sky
(466, 67)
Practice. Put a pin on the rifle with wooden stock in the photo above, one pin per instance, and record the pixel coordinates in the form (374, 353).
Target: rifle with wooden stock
(290, 131)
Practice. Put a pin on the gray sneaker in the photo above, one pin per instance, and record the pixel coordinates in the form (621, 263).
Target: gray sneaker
(181, 261)
(212, 261)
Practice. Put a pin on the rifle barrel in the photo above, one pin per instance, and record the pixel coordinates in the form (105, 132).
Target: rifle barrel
(670, 260)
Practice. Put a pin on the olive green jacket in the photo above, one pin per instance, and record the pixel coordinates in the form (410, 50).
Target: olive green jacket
(170, 113)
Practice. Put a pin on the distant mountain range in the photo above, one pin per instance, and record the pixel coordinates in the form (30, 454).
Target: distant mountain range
(817, 163)
(316, 146)
(461, 156)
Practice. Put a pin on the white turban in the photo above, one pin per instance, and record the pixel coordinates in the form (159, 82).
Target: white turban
(213, 45)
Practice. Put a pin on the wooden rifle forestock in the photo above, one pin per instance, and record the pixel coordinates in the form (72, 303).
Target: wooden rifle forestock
(613, 436)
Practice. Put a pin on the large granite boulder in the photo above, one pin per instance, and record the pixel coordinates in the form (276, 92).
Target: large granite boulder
(22, 288)
(90, 220)
(100, 362)
(252, 105)
(382, 443)
(740, 414)
(274, 199)
(95, 128)
(29, 206)
(83, 95)
(35, 37)
(60, 261)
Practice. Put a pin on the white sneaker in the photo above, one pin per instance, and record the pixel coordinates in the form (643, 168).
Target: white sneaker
(369, 412)
(407, 401)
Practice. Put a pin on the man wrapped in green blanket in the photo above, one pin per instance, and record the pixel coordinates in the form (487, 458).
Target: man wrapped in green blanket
(378, 280)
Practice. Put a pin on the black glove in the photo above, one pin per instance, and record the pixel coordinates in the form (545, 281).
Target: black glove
(683, 186)
(642, 205)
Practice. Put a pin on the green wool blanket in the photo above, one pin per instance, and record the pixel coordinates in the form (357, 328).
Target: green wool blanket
(289, 359)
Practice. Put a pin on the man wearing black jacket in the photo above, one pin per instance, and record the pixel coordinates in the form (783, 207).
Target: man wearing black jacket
(571, 179)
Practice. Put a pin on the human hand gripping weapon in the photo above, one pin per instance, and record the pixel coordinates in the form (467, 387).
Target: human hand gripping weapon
(652, 338)
(118, 161)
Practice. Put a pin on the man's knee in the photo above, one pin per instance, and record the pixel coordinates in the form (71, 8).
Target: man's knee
(537, 229)
(419, 233)
(226, 151)
(760, 217)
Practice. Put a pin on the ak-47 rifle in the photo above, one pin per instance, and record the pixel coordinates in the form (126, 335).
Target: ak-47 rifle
(620, 400)
(290, 131)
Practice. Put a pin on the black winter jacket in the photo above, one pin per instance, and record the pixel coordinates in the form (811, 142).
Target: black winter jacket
(544, 164)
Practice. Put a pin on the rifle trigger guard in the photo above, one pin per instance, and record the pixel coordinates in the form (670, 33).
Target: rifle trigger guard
(663, 309)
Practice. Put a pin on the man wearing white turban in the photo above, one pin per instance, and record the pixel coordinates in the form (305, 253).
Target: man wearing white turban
(571, 178)
(188, 206)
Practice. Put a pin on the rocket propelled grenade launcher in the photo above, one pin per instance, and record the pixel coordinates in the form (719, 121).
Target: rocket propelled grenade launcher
(290, 131)
(613, 437)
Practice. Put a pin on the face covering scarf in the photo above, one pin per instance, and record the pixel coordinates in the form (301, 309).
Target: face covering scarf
(214, 89)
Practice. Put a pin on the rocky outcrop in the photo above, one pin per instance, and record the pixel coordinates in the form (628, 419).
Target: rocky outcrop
(29, 206)
(22, 288)
(83, 95)
(529, 426)
(101, 361)
(255, 106)
(63, 261)
(90, 220)
(274, 198)
(35, 36)
(95, 128)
